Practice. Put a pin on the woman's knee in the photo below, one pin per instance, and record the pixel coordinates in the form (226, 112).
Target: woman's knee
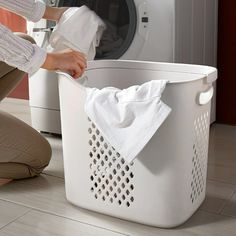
(43, 153)
(22, 145)
(38, 153)
(41, 157)
(13, 170)
(27, 164)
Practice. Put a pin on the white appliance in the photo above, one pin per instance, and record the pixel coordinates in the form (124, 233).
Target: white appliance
(180, 31)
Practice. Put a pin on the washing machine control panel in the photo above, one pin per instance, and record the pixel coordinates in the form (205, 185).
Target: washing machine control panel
(143, 19)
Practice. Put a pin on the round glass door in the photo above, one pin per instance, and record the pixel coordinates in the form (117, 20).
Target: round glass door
(120, 18)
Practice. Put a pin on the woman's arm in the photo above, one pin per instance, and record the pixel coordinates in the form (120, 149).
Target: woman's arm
(54, 13)
(32, 10)
(29, 58)
(20, 53)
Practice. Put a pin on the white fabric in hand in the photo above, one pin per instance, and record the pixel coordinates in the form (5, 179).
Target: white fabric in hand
(80, 29)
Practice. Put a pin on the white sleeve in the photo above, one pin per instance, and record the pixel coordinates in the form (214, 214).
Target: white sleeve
(32, 10)
(20, 53)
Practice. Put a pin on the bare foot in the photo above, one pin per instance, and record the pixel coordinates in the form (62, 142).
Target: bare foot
(4, 181)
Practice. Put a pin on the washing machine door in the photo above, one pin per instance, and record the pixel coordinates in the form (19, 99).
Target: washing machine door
(121, 19)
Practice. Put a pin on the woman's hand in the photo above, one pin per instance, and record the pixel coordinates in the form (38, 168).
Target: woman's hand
(54, 13)
(69, 61)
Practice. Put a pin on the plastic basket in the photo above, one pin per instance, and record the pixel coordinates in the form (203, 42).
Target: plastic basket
(166, 183)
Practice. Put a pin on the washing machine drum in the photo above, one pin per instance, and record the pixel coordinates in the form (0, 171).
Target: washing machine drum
(120, 18)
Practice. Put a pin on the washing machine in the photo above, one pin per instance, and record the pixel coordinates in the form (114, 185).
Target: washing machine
(181, 31)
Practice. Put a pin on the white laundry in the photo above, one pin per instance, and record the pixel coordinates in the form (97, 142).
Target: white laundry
(128, 118)
(80, 29)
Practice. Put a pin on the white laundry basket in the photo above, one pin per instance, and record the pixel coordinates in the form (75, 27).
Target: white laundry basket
(166, 183)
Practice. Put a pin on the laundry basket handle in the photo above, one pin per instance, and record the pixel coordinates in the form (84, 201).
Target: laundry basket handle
(205, 97)
(77, 82)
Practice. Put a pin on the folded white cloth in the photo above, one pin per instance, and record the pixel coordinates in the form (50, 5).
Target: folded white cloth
(80, 29)
(128, 118)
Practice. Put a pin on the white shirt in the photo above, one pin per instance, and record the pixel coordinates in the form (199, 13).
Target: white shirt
(18, 52)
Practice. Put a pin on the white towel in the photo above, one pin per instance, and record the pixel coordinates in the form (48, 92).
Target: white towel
(128, 118)
(80, 29)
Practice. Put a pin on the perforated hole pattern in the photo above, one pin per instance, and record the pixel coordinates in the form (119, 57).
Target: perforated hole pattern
(111, 177)
(199, 158)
